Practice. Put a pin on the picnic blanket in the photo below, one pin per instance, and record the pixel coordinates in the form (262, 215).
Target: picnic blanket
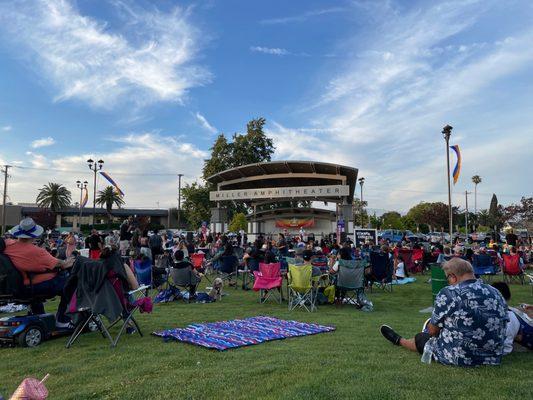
(241, 332)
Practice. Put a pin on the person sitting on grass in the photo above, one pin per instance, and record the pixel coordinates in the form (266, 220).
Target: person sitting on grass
(468, 323)
(399, 269)
(513, 326)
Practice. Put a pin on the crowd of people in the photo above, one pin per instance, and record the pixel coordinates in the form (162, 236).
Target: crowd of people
(471, 323)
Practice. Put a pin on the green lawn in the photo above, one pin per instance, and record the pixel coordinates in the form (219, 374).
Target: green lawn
(352, 362)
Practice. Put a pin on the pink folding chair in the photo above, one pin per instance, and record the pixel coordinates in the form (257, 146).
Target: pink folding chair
(268, 282)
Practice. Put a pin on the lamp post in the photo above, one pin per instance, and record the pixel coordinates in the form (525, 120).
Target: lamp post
(361, 182)
(446, 133)
(95, 167)
(179, 200)
(82, 186)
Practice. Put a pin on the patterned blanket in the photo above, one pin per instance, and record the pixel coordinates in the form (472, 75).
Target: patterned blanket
(241, 332)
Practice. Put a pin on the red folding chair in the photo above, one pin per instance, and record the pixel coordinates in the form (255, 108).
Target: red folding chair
(511, 268)
(197, 260)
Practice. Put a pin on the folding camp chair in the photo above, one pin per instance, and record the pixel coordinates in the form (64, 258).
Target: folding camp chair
(301, 289)
(197, 260)
(350, 281)
(143, 271)
(185, 279)
(98, 288)
(483, 266)
(268, 281)
(381, 274)
(88, 319)
(228, 269)
(511, 268)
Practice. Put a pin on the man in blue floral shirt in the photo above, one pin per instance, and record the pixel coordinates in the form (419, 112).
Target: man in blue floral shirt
(468, 324)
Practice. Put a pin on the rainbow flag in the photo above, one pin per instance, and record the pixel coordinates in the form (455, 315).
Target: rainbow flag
(112, 182)
(457, 169)
(85, 198)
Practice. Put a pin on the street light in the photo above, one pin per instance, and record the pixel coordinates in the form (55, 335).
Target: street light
(446, 133)
(95, 167)
(82, 186)
(361, 182)
(179, 200)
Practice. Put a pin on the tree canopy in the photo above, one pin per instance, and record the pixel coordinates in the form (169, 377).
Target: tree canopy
(54, 196)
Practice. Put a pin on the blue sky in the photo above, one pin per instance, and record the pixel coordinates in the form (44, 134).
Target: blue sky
(148, 85)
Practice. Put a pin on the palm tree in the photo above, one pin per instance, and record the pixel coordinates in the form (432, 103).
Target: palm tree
(109, 197)
(54, 196)
(477, 180)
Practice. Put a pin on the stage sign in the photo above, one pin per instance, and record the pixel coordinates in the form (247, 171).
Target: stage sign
(362, 236)
(281, 192)
(295, 223)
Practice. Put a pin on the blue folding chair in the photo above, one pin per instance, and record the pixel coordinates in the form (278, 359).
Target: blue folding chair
(143, 271)
(483, 266)
(381, 274)
(228, 268)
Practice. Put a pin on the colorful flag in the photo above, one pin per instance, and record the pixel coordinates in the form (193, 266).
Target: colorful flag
(112, 182)
(457, 169)
(85, 198)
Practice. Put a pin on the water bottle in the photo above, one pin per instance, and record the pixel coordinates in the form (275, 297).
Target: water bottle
(428, 352)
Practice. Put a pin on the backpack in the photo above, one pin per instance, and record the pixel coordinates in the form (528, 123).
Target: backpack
(11, 281)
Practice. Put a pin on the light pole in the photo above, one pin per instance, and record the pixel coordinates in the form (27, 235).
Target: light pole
(95, 167)
(179, 200)
(466, 213)
(477, 180)
(446, 133)
(361, 182)
(82, 186)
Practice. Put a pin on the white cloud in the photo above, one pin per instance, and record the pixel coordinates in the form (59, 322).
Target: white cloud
(43, 142)
(382, 109)
(269, 50)
(7, 128)
(303, 17)
(142, 57)
(205, 123)
(145, 165)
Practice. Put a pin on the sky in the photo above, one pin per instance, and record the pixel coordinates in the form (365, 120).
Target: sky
(148, 85)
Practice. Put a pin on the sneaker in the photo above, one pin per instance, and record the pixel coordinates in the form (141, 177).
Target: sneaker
(390, 335)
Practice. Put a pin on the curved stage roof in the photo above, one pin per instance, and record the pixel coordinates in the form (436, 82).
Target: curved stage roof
(286, 174)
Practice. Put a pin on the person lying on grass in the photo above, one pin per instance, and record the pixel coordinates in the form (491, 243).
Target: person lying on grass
(468, 323)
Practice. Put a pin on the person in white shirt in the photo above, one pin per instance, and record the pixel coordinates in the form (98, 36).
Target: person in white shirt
(513, 326)
(399, 270)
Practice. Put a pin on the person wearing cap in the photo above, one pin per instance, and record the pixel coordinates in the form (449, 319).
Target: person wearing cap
(31, 259)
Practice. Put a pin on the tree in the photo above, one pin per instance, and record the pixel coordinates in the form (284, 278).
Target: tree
(238, 222)
(196, 206)
(392, 219)
(108, 198)
(221, 157)
(435, 215)
(495, 213)
(252, 147)
(54, 196)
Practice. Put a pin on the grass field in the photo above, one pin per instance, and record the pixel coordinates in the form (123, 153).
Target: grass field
(352, 362)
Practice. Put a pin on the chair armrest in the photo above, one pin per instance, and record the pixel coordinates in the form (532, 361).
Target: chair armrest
(139, 289)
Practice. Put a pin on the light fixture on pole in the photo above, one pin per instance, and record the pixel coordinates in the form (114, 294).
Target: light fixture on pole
(95, 167)
(361, 182)
(82, 186)
(179, 200)
(446, 133)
